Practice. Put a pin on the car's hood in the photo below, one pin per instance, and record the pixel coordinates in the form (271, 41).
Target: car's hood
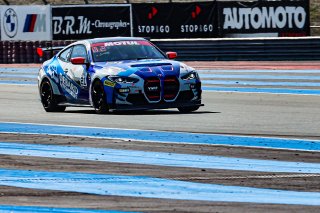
(142, 68)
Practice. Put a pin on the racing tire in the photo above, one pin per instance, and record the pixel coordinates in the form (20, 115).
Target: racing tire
(48, 99)
(98, 96)
(188, 109)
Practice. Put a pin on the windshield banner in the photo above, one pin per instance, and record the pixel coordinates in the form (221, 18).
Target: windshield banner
(266, 18)
(175, 20)
(90, 21)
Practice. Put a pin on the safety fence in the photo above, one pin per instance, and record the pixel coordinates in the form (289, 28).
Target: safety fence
(190, 50)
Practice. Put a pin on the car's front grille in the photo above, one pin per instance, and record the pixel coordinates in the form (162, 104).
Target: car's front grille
(152, 88)
(170, 87)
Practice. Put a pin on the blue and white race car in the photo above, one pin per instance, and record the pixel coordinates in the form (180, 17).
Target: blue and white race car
(117, 73)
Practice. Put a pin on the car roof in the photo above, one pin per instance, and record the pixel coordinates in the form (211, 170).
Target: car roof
(110, 39)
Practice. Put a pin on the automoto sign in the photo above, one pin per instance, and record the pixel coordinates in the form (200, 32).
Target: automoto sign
(175, 20)
(83, 21)
(287, 18)
(25, 22)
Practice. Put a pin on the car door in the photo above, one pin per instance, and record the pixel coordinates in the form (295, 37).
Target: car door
(70, 89)
(78, 73)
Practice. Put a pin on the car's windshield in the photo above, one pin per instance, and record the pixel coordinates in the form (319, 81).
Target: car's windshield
(124, 50)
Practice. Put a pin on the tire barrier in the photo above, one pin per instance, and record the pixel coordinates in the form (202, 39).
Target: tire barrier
(26, 51)
(265, 49)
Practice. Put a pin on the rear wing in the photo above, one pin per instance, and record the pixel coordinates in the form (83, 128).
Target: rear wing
(41, 50)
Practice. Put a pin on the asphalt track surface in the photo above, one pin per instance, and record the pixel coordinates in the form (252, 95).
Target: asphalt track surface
(253, 147)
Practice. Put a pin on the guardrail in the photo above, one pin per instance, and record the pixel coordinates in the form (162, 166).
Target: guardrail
(257, 49)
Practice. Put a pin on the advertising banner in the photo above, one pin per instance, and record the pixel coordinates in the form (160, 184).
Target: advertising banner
(264, 18)
(84, 21)
(175, 20)
(25, 22)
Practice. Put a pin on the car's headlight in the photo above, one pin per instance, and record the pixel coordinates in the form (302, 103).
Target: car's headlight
(190, 75)
(186, 68)
(120, 79)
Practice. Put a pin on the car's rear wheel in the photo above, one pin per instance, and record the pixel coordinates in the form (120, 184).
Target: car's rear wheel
(99, 98)
(48, 99)
(188, 109)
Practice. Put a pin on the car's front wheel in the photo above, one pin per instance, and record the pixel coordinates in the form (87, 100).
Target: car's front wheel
(99, 98)
(188, 109)
(48, 99)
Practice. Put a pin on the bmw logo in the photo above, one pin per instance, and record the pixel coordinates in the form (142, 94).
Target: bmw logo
(10, 23)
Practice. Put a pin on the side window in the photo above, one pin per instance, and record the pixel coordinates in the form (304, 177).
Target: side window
(65, 55)
(79, 51)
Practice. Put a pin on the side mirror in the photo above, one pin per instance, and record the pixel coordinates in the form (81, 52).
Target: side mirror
(40, 52)
(78, 60)
(171, 55)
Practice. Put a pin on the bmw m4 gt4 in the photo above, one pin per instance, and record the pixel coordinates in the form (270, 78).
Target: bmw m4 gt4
(119, 74)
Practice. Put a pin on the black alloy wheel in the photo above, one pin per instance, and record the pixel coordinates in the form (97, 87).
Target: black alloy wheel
(99, 98)
(48, 99)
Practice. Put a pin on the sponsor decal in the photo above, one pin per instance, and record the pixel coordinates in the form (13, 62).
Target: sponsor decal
(175, 20)
(26, 23)
(69, 29)
(90, 22)
(153, 12)
(68, 86)
(10, 23)
(52, 72)
(196, 12)
(102, 47)
(83, 26)
(121, 43)
(111, 25)
(109, 83)
(154, 29)
(197, 28)
(35, 23)
(83, 80)
(265, 17)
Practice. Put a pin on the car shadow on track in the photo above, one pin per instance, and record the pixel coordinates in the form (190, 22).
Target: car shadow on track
(140, 112)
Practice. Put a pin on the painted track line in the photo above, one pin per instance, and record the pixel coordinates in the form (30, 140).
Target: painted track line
(261, 83)
(257, 77)
(161, 136)
(276, 176)
(41, 209)
(263, 90)
(18, 83)
(19, 76)
(156, 158)
(304, 71)
(148, 187)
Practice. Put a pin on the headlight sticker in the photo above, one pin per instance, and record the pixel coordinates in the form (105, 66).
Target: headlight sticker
(109, 83)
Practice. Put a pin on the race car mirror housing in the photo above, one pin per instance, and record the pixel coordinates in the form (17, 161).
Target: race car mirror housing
(171, 55)
(78, 60)
(39, 51)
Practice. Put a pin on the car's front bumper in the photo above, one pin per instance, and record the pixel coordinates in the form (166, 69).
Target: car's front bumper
(161, 105)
